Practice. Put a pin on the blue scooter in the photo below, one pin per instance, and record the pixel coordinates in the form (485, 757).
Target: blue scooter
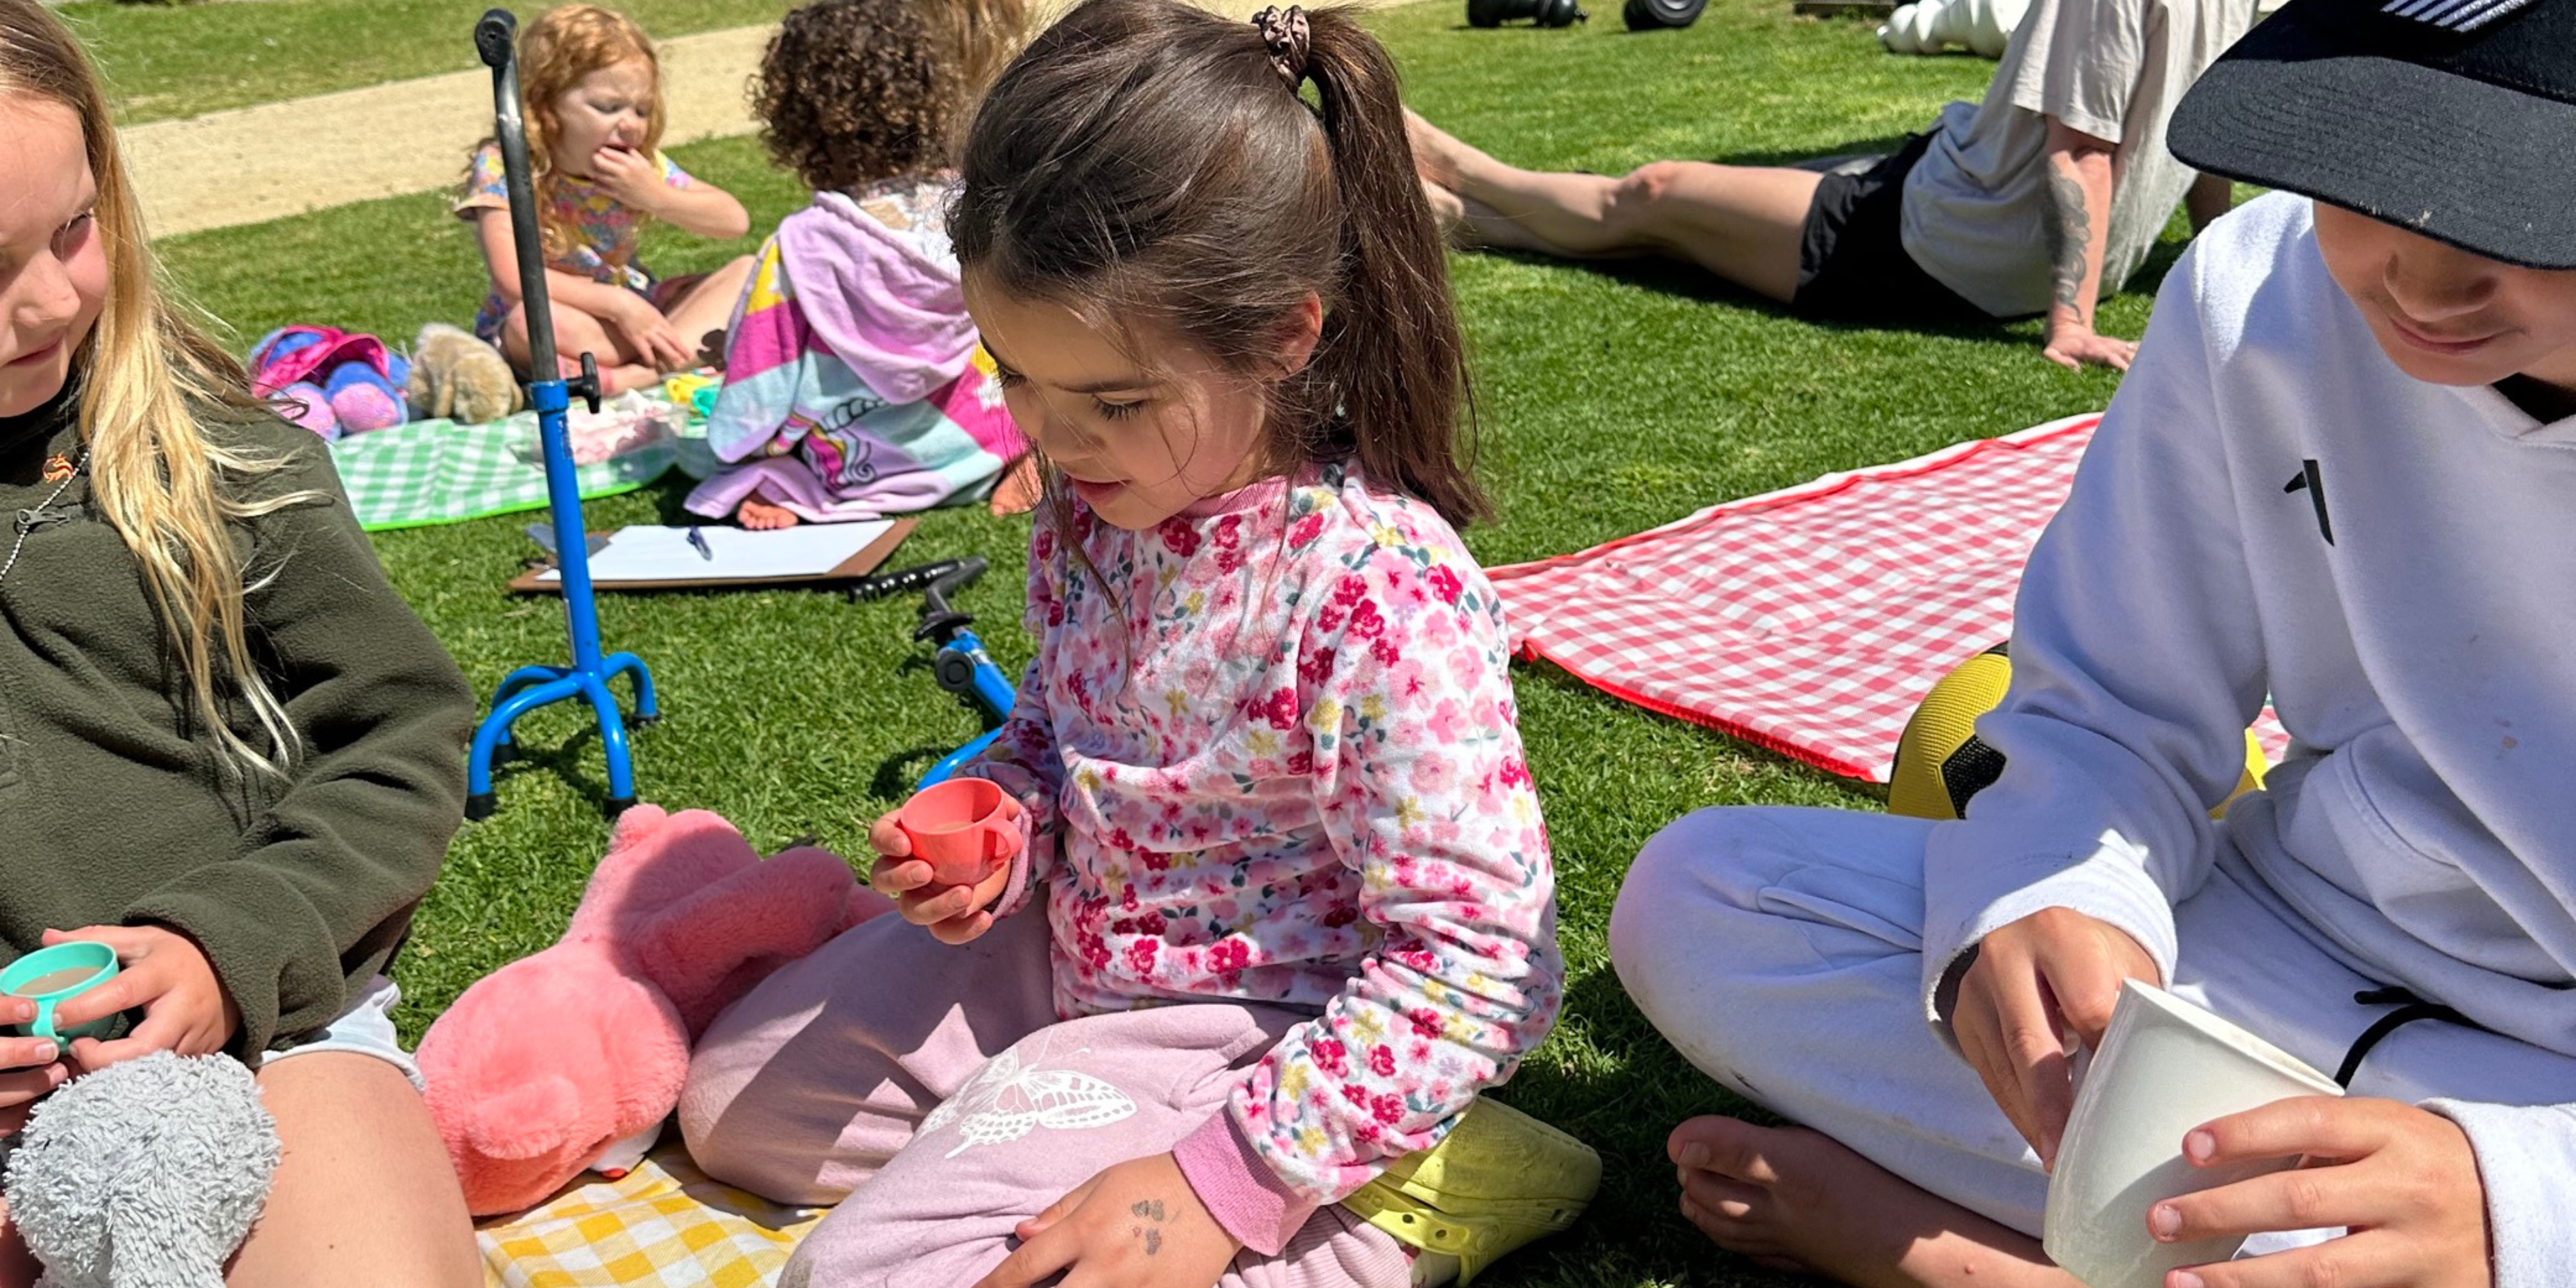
(530, 687)
(961, 666)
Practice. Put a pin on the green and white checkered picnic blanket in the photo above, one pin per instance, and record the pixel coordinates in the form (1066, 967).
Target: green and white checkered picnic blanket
(437, 471)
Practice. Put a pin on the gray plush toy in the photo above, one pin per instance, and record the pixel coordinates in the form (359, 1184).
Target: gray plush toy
(146, 1174)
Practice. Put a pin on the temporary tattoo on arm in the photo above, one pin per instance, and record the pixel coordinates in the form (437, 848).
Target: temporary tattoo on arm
(2070, 238)
(1149, 1210)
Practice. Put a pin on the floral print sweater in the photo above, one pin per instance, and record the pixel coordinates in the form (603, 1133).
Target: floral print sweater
(1269, 753)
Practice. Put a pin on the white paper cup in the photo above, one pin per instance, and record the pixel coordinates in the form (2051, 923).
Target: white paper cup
(2165, 1067)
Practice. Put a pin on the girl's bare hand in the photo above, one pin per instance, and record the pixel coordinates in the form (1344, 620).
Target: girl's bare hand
(165, 975)
(656, 342)
(633, 177)
(29, 1067)
(1135, 1225)
(954, 914)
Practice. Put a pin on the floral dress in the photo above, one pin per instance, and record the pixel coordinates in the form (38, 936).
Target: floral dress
(604, 233)
(1270, 753)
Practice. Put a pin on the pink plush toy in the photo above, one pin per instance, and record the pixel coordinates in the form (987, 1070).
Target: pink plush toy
(546, 1062)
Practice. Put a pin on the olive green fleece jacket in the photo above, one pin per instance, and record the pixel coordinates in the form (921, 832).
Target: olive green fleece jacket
(114, 808)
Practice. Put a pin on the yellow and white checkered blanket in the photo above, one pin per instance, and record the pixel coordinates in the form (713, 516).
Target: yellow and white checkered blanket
(664, 1225)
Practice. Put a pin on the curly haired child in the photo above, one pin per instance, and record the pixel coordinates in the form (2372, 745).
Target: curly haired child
(854, 386)
(591, 92)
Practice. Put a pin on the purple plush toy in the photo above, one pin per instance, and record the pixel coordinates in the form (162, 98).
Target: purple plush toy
(365, 399)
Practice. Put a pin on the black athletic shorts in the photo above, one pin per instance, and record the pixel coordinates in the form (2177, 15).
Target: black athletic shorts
(1852, 263)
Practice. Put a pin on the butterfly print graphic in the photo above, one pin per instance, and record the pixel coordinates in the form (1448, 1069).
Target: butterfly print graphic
(1007, 1100)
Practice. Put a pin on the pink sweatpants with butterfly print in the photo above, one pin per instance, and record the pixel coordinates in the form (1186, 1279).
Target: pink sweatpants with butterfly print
(931, 1093)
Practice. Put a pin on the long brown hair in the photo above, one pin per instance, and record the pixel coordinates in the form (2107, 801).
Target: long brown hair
(1146, 159)
(152, 386)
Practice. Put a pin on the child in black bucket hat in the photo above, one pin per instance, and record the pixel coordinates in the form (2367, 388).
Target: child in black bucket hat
(2341, 478)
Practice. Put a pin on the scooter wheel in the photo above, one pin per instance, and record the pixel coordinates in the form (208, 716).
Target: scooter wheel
(1485, 13)
(1652, 15)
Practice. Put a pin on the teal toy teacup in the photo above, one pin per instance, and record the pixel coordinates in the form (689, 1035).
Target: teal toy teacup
(51, 976)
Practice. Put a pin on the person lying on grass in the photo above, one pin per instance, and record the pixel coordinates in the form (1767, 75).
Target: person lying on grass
(853, 387)
(1282, 907)
(2339, 479)
(227, 749)
(591, 92)
(2039, 201)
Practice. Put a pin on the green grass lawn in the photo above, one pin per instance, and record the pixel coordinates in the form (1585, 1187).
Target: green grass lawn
(167, 61)
(1613, 399)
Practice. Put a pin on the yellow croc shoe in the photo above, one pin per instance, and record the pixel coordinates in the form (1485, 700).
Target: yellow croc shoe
(1499, 1180)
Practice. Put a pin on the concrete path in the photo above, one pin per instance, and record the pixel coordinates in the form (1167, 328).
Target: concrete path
(253, 164)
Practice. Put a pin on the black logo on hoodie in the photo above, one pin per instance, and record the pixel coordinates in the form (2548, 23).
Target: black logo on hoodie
(2313, 481)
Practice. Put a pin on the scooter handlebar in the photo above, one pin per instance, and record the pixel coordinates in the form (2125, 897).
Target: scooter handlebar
(935, 599)
(496, 37)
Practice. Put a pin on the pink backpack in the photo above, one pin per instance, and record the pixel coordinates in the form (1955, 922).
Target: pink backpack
(310, 353)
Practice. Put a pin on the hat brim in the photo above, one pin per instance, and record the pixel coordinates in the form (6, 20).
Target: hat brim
(2479, 166)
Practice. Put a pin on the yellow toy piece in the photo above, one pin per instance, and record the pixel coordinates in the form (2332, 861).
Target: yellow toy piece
(692, 391)
(1497, 1181)
(1940, 761)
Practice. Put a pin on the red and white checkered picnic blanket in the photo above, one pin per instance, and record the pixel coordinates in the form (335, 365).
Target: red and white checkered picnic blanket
(1813, 620)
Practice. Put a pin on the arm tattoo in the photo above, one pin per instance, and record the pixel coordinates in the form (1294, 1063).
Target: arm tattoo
(2070, 238)
(1149, 1210)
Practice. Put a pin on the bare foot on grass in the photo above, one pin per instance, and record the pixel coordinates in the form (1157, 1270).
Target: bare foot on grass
(1794, 1199)
(762, 516)
(1019, 488)
(1449, 212)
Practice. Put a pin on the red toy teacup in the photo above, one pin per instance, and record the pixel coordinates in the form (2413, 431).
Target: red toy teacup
(964, 828)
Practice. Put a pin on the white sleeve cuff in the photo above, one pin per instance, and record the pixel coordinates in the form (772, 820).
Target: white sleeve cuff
(2525, 1157)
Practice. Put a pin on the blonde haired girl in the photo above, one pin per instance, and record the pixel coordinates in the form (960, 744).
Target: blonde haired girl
(983, 36)
(590, 90)
(227, 749)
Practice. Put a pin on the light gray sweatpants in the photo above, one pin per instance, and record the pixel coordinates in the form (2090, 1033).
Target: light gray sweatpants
(930, 1092)
(1780, 951)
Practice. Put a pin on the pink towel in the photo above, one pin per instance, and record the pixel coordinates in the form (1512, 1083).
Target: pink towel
(895, 314)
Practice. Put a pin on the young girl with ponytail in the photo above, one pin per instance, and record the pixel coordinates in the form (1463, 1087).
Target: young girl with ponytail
(227, 749)
(1281, 905)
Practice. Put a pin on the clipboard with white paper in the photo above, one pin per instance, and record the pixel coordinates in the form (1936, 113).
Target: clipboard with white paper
(664, 558)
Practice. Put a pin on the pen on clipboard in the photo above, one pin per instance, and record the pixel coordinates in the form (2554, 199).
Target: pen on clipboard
(699, 539)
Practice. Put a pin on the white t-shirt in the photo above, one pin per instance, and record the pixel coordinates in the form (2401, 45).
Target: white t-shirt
(1977, 214)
